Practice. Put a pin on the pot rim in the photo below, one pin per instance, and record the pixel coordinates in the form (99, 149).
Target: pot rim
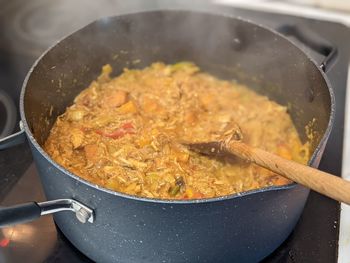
(311, 162)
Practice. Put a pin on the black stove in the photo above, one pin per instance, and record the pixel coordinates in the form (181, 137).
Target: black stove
(27, 28)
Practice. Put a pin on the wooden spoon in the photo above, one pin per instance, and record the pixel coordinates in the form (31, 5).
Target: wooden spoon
(322, 182)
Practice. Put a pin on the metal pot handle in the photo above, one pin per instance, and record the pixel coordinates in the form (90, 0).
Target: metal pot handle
(313, 41)
(13, 139)
(27, 212)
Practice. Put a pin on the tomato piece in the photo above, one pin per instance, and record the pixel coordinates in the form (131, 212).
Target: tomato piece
(126, 128)
(127, 125)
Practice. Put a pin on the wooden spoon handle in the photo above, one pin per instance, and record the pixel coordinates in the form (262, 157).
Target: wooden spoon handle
(322, 182)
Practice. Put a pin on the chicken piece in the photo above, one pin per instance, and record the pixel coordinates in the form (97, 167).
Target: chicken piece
(152, 106)
(76, 137)
(89, 96)
(105, 74)
(180, 153)
(75, 115)
(92, 153)
(207, 100)
(115, 99)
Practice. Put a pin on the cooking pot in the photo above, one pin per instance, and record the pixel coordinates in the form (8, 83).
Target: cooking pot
(118, 227)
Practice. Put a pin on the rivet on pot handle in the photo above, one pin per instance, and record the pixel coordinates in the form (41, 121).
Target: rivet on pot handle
(13, 139)
(27, 212)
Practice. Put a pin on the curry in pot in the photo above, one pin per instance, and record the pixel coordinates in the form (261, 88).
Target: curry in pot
(124, 133)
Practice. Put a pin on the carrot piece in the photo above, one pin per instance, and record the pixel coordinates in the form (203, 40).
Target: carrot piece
(190, 117)
(198, 195)
(192, 194)
(188, 194)
(128, 107)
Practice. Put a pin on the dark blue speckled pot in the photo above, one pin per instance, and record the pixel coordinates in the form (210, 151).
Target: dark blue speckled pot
(236, 228)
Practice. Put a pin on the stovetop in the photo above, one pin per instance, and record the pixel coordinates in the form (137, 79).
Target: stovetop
(28, 27)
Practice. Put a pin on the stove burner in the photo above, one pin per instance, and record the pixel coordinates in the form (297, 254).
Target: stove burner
(19, 240)
(8, 114)
(38, 24)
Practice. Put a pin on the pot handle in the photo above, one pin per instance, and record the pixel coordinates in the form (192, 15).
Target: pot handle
(27, 212)
(313, 41)
(13, 139)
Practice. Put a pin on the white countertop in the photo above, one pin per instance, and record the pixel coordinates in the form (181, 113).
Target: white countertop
(286, 7)
(344, 231)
